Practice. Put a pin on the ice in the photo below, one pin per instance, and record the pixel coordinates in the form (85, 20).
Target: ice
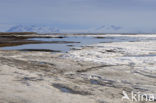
(141, 54)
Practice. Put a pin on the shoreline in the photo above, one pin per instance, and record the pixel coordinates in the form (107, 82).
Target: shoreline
(96, 73)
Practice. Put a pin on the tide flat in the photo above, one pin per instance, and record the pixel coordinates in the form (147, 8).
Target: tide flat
(64, 43)
(95, 73)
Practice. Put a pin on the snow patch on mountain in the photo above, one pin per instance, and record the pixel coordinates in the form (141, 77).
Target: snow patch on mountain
(4, 27)
(33, 28)
(108, 29)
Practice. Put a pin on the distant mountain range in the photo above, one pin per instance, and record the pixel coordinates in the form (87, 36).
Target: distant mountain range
(33, 28)
(107, 29)
(50, 29)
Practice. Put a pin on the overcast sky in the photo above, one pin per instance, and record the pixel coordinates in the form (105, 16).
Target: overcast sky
(80, 13)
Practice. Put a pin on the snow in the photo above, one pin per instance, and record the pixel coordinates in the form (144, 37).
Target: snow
(4, 27)
(110, 28)
(141, 54)
(33, 28)
(106, 28)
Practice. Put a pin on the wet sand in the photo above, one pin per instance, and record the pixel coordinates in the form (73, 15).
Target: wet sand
(94, 74)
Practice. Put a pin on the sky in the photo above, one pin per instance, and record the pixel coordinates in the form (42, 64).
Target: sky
(80, 14)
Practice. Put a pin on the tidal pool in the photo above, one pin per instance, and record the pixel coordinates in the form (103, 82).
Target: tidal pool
(81, 41)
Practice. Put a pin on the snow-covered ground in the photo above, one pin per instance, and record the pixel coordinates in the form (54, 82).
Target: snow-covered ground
(36, 77)
(139, 54)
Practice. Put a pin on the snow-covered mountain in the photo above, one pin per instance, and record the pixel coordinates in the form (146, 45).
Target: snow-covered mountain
(107, 29)
(33, 28)
(4, 27)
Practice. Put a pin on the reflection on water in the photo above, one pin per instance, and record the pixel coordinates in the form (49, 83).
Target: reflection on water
(84, 40)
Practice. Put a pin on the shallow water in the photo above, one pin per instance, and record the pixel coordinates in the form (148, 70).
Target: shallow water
(84, 40)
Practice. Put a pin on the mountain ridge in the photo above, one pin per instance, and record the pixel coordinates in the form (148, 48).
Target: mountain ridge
(33, 28)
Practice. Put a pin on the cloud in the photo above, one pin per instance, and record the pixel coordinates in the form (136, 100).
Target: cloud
(130, 13)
